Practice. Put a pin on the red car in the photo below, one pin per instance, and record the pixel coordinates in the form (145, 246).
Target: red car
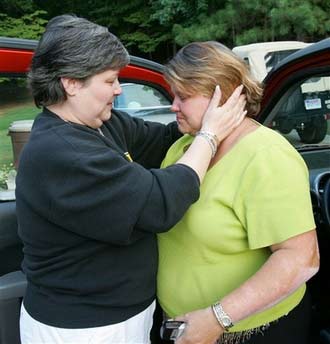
(299, 83)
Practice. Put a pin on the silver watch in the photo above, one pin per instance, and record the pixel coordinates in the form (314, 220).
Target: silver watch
(222, 317)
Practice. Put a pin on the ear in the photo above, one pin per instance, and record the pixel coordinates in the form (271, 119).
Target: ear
(71, 86)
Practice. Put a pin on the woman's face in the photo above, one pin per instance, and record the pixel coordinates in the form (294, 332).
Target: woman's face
(94, 98)
(189, 112)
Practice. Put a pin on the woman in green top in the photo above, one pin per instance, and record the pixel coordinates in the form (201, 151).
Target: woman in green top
(237, 263)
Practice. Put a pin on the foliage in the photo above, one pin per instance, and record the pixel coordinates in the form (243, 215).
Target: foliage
(305, 19)
(3, 80)
(169, 12)
(28, 26)
(243, 22)
(155, 27)
(132, 21)
(17, 8)
(5, 171)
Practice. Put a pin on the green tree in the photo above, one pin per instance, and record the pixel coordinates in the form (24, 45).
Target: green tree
(17, 8)
(134, 24)
(154, 28)
(240, 22)
(28, 26)
(170, 12)
(78, 7)
(302, 20)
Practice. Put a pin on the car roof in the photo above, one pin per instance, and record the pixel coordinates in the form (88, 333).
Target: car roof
(310, 50)
(16, 55)
(30, 45)
(269, 46)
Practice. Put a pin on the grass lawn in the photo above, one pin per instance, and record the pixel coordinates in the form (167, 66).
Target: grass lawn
(22, 112)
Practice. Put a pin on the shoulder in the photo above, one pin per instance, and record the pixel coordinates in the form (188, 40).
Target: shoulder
(266, 138)
(267, 144)
(57, 142)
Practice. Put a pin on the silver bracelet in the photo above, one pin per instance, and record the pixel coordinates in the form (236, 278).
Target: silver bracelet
(209, 133)
(209, 137)
(223, 318)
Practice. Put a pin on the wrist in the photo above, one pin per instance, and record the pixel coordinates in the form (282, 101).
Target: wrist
(222, 317)
(209, 133)
(210, 138)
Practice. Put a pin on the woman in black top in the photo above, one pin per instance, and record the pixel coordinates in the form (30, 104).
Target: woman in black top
(88, 214)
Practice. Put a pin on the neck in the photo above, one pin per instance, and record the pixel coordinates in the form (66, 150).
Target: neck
(233, 138)
(65, 112)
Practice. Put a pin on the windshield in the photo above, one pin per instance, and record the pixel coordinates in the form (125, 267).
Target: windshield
(302, 115)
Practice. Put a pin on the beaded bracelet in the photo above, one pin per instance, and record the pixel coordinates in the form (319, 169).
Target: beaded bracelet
(211, 140)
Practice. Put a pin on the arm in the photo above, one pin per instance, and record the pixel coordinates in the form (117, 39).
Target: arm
(273, 206)
(123, 199)
(148, 142)
(292, 262)
(220, 120)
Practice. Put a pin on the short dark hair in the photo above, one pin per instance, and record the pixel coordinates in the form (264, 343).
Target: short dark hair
(72, 47)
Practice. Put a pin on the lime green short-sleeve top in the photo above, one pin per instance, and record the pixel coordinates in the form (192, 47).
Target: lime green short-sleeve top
(257, 195)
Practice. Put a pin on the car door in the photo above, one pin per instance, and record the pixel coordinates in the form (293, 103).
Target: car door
(296, 103)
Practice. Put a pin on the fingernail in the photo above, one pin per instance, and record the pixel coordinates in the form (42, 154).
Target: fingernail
(217, 88)
(239, 90)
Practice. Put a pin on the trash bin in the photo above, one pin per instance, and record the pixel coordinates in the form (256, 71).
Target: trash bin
(19, 131)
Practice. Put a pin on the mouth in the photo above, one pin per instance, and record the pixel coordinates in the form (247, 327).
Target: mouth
(179, 118)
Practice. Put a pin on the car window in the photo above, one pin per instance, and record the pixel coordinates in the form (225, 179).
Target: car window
(274, 57)
(246, 60)
(144, 101)
(16, 104)
(140, 95)
(303, 113)
(17, 111)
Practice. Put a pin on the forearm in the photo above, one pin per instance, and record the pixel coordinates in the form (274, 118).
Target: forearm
(149, 144)
(219, 121)
(198, 157)
(292, 263)
(283, 273)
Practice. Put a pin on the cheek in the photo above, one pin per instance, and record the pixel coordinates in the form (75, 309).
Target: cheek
(200, 110)
(101, 97)
(204, 103)
(100, 92)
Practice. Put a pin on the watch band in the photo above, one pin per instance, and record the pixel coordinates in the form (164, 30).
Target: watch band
(223, 318)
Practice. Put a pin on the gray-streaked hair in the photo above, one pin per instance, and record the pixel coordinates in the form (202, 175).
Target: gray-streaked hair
(72, 47)
(199, 66)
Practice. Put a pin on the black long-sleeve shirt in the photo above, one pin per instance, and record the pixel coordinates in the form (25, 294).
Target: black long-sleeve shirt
(88, 216)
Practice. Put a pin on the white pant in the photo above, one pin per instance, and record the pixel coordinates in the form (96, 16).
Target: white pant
(135, 330)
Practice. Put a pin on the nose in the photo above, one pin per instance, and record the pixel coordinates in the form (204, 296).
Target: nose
(117, 88)
(175, 105)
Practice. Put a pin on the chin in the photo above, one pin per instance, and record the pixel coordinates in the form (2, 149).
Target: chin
(186, 131)
(183, 129)
(106, 116)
